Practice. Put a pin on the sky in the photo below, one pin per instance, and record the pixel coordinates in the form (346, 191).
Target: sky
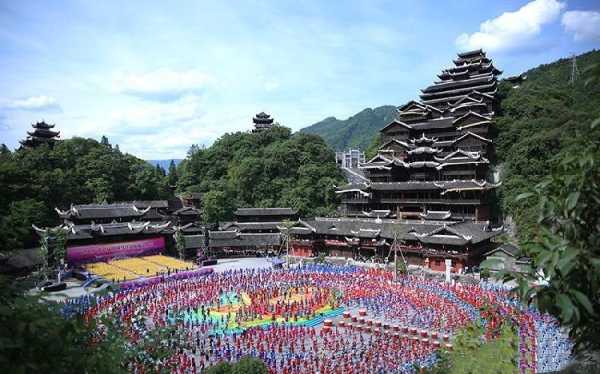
(156, 77)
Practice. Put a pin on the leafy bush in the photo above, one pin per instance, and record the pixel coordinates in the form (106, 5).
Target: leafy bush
(247, 365)
(471, 354)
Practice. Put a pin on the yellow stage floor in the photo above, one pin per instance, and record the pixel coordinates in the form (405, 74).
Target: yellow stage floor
(136, 267)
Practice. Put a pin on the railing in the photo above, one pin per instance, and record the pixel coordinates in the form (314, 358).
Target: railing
(429, 201)
(355, 201)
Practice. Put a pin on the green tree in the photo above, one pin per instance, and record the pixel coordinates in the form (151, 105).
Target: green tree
(373, 147)
(545, 116)
(34, 338)
(35, 181)
(104, 141)
(247, 365)
(173, 177)
(101, 189)
(220, 368)
(59, 246)
(179, 243)
(471, 354)
(269, 169)
(15, 225)
(215, 206)
(566, 247)
(250, 365)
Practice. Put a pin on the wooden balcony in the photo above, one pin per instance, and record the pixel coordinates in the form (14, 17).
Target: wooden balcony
(355, 201)
(429, 201)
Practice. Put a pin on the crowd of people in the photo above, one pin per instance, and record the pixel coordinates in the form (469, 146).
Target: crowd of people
(276, 315)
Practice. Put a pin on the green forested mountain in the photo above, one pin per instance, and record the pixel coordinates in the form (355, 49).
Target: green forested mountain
(35, 181)
(268, 169)
(356, 131)
(540, 122)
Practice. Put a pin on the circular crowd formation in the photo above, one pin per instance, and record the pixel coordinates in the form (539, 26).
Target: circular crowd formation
(320, 319)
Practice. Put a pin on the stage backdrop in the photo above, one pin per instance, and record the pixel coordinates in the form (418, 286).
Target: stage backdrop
(107, 251)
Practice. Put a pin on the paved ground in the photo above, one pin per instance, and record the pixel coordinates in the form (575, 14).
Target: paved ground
(74, 288)
(241, 263)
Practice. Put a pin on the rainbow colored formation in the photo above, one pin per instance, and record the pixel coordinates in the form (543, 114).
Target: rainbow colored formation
(278, 316)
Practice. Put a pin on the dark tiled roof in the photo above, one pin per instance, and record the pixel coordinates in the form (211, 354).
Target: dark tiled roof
(193, 241)
(78, 232)
(187, 211)
(175, 204)
(508, 248)
(42, 125)
(354, 175)
(246, 240)
(245, 226)
(217, 235)
(475, 52)
(153, 215)
(441, 123)
(436, 215)
(433, 232)
(43, 133)
(457, 84)
(191, 228)
(143, 204)
(265, 212)
(91, 211)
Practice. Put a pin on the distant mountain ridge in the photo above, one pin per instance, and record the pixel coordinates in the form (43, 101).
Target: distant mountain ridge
(356, 131)
(164, 163)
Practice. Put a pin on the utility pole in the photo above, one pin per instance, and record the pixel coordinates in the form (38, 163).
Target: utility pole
(395, 257)
(397, 247)
(287, 255)
(284, 229)
(574, 69)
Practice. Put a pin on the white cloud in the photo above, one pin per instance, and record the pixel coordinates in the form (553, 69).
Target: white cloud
(584, 24)
(271, 85)
(157, 129)
(163, 84)
(512, 29)
(33, 103)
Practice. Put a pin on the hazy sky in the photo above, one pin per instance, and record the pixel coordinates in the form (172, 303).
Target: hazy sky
(156, 77)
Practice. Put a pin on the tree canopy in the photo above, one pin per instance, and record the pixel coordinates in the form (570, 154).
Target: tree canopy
(267, 169)
(546, 115)
(35, 181)
(550, 145)
(246, 365)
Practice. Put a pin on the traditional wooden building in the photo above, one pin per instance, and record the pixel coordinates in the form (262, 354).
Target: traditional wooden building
(420, 242)
(254, 230)
(126, 226)
(262, 121)
(42, 134)
(434, 157)
(428, 185)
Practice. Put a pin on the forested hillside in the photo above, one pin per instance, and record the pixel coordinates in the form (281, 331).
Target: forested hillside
(35, 181)
(356, 131)
(540, 122)
(268, 169)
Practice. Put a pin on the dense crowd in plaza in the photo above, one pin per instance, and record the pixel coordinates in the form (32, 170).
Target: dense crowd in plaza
(277, 316)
